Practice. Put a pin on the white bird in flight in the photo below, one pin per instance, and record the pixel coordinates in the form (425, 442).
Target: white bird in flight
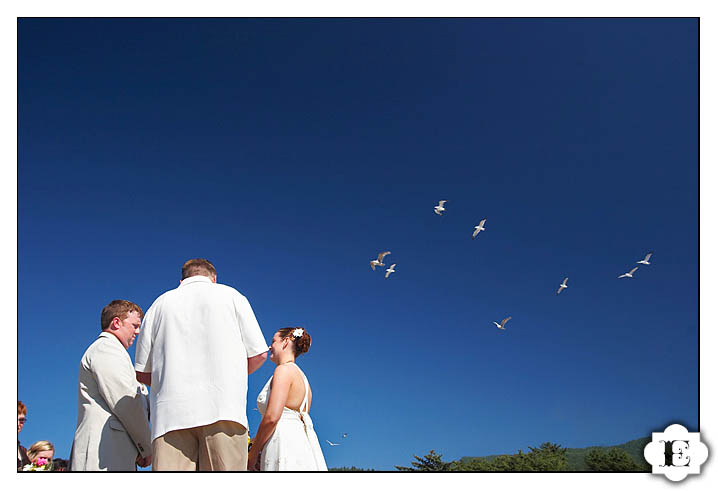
(332, 444)
(562, 285)
(645, 259)
(440, 207)
(629, 274)
(479, 228)
(503, 323)
(377, 262)
(344, 435)
(390, 270)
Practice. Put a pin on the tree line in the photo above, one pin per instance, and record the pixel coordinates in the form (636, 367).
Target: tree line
(547, 457)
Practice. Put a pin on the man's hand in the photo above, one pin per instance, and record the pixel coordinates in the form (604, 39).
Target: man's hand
(144, 461)
(255, 362)
(144, 378)
(253, 461)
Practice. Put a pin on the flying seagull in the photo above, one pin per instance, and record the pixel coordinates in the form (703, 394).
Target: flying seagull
(377, 262)
(503, 323)
(344, 435)
(562, 285)
(438, 209)
(645, 259)
(332, 444)
(390, 270)
(629, 274)
(479, 228)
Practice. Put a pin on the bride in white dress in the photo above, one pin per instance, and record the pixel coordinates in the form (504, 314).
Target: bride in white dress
(285, 439)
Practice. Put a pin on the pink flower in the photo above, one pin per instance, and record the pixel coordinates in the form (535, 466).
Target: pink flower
(41, 461)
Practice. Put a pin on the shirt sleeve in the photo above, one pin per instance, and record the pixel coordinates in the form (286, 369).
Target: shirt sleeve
(143, 348)
(252, 336)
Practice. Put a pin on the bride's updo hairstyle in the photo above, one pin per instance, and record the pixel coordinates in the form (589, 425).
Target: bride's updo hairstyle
(300, 336)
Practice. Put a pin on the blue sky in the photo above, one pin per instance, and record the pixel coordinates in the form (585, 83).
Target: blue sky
(289, 152)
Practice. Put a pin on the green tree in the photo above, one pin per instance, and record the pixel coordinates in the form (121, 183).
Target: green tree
(547, 457)
(430, 462)
(515, 462)
(477, 464)
(611, 460)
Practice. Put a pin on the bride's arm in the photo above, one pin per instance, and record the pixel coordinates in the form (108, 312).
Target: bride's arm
(281, 381)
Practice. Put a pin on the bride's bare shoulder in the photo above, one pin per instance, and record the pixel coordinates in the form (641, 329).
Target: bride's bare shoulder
(282, 370)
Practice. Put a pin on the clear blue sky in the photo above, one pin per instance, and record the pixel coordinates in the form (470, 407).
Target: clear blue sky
(289, 152)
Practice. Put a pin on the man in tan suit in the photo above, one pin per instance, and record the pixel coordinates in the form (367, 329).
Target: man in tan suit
(113, 432)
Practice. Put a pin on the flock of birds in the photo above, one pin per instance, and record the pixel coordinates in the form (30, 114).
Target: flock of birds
(439, 209)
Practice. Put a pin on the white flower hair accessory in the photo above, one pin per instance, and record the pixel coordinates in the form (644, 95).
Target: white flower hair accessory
(297, 333)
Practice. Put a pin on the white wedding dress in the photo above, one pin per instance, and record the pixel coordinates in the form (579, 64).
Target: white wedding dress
(294, 445)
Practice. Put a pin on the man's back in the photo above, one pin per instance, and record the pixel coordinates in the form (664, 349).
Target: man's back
(195, 340)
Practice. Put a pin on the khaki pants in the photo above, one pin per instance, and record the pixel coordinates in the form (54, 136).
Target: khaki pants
(220, 446)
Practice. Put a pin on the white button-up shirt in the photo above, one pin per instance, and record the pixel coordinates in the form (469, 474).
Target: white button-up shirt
(195, 340)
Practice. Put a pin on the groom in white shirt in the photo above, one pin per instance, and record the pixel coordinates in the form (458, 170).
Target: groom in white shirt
(197, 345)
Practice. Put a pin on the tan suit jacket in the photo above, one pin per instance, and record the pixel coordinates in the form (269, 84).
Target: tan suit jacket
(112, 416)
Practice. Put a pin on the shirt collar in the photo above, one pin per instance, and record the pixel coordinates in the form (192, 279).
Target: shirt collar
(105, 334)
(195, 279)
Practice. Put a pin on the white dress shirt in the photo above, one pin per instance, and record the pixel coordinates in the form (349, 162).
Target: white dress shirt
(195, 340)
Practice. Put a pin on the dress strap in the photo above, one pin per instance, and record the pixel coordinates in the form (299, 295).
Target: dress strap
(305, 402)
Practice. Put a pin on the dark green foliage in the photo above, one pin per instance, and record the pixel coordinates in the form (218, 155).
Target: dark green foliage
(575, 457)
(634, 448)
(627, 457)
(547, 457)
(476, 464)
(611, 460)
(349, 469)
(430, 462)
